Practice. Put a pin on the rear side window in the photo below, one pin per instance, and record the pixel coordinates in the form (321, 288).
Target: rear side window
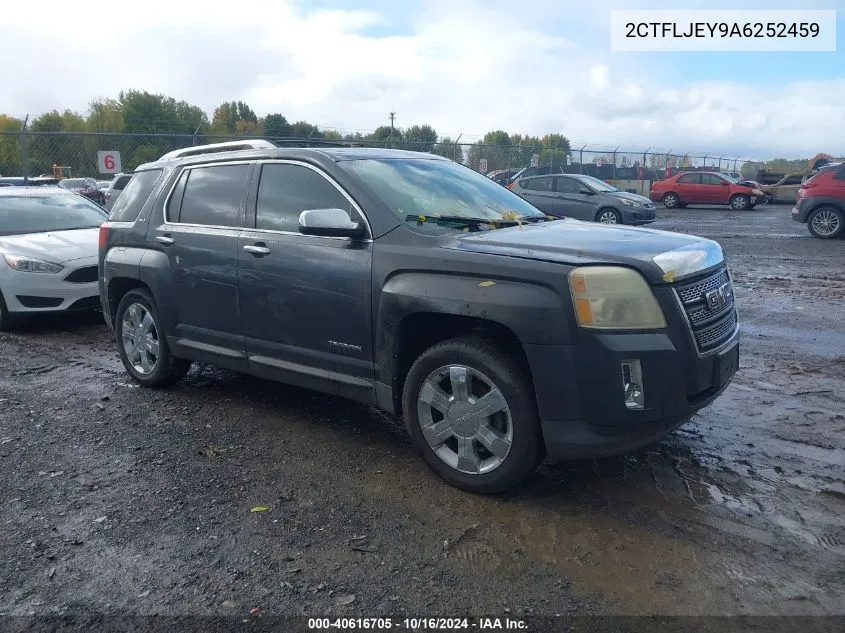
(711, 179)
(131, 201)
(285, 191)
(537, 184)
(121, 181)
(792, 180)
(213, 195)
(689, 179)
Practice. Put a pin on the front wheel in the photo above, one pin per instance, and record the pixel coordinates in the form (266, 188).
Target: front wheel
(609, 216)
(7, 321)
(826, 223)
(142, 344)
(671, 201)
(471, 409)
(740, 202)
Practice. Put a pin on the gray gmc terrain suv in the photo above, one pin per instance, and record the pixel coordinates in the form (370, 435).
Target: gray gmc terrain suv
(409, 282)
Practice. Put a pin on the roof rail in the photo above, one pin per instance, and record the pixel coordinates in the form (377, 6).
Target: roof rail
(229, 146)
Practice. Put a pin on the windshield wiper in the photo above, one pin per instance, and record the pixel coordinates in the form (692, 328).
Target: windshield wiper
(478, 222)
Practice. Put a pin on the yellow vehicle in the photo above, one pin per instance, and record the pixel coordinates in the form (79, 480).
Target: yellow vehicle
(785, 190)
(61, 172)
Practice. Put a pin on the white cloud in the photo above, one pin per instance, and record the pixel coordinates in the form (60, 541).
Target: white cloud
(461, 66)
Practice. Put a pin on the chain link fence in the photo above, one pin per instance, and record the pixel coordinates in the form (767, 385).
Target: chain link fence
(35, 154)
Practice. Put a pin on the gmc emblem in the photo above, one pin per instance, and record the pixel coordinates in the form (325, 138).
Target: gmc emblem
(719, 297)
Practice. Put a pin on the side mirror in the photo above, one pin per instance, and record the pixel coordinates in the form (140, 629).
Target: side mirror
(329, 223)
(585, 191)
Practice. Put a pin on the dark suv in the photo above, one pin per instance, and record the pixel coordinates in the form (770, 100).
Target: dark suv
(412, 283)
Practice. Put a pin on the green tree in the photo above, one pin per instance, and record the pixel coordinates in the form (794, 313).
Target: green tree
(234, 117)
(277, 126)
(148, 113)
(53, 142)
(385, 136)
(495, 148)
(303, 129)
(555, 149)
(10, 145)
(104, 115)
(420, 138)
(447, 147)
(333, 135)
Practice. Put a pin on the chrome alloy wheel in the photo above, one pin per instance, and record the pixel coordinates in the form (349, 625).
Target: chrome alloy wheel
(825, 222)
(465, 419)
(140, 338)
(607, 217)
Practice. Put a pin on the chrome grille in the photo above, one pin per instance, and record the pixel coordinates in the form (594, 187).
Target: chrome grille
(696, 290)
(716, 334)
(710, 326)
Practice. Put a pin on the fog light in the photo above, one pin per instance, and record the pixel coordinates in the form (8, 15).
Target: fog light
(632, 384)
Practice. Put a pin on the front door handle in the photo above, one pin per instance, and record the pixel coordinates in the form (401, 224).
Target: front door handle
(258, 251)
(165, 239)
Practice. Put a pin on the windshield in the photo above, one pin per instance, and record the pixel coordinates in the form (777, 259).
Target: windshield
(729, 177)
(598, 185)
(45, 213)
(439, 195)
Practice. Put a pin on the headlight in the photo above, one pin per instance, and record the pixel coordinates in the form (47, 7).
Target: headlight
(30, 264)
(614, 298)
(629, 203)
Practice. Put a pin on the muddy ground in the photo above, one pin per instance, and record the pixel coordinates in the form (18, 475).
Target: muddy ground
(122, 500)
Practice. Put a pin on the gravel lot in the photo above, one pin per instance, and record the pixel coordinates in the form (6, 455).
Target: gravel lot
(122, 500)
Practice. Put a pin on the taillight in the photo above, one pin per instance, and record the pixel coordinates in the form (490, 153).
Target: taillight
(104, 234)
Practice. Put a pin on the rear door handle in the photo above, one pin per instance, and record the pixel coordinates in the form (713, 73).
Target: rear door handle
(165, 239)
(258, 251)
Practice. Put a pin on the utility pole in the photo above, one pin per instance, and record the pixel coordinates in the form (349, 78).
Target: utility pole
(392, 117)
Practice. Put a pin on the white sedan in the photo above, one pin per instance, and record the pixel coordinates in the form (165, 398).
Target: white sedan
(48, 251)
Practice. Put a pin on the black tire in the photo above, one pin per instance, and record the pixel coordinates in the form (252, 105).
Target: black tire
(480, 355)
(671, 200)
(740, 202)
(826, 223)
(603, 216)
(167, 368)
(7, 320)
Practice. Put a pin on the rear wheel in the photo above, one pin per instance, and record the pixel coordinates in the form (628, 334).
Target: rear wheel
(826, 223)
(740, 202)
(671, 201)
(142, 344)
(471, 410)
(609, 216)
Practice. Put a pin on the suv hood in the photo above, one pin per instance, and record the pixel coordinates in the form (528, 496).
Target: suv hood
(661, 256)
(56, 246)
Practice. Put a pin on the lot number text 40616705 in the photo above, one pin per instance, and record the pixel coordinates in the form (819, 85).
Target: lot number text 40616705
(417, 624)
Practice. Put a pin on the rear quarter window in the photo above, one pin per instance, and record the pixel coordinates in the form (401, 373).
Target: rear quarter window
(135, 194)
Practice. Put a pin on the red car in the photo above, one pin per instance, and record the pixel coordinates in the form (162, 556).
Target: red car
(702, 187)
(821, 203)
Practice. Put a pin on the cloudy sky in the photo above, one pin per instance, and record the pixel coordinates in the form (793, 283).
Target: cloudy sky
(464, 66)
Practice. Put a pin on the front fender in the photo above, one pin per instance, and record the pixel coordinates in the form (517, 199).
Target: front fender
(536, 314)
